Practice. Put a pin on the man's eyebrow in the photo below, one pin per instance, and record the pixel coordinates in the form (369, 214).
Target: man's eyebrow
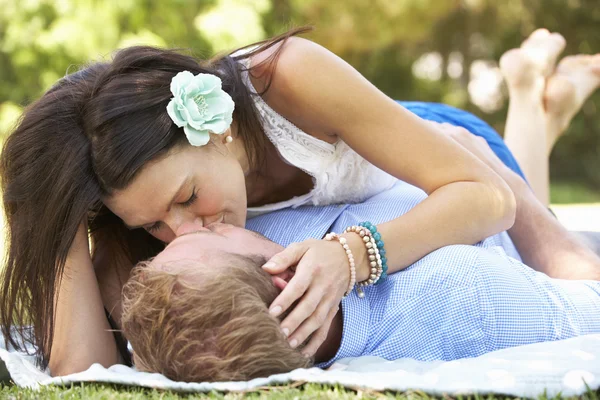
(183, 183)
(196, 232)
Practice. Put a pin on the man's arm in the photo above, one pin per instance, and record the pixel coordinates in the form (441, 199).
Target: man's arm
(590, 238)
(544, 244)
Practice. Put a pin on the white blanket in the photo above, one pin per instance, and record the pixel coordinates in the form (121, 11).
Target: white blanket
(565, 367)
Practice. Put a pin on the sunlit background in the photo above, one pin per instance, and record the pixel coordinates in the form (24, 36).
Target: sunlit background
(431, 50)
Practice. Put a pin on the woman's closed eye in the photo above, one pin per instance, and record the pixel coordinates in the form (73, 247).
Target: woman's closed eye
(191, 200)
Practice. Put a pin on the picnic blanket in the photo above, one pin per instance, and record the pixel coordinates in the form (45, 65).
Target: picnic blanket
(567, 367)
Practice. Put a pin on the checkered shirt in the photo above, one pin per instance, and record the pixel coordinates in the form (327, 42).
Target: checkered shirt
(459, 301)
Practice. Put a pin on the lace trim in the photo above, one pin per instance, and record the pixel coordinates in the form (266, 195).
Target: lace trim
(295, 146)
(353, 177)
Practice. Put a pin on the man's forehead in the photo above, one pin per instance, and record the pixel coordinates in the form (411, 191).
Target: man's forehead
(178, 266)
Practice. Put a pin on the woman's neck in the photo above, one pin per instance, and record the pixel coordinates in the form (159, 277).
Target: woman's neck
(274, 180)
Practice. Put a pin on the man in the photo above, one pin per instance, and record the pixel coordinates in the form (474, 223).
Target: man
(198, 311)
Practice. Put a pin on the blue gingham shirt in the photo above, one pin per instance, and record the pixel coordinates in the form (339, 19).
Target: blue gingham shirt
(458, 301)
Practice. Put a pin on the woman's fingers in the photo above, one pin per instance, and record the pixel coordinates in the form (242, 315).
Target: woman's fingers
(308, 316)
(294, 290)
(281, 261)
(319, 336)
(316, 288)
(303, 311)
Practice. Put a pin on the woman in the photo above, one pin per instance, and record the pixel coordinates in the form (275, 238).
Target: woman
(101, 149)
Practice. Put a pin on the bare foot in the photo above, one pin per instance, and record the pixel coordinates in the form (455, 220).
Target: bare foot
(527, 67)
(575, 79)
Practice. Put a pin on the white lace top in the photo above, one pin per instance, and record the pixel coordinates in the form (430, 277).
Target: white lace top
(339, 174)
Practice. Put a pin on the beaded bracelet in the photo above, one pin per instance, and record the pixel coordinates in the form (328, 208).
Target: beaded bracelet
(334, 236)
(373, 254)
(380, 246)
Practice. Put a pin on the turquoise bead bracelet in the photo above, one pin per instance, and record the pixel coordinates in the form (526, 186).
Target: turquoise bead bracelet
(380, 246)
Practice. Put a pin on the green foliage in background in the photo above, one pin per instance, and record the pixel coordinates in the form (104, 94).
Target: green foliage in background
(42, 40)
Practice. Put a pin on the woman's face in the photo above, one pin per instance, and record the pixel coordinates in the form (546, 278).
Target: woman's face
(187, 189)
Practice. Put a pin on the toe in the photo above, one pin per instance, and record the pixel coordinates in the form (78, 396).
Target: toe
(541, 33)
(569, 61)
(560, 91)
(595, 63)
(559, 41)
(579, 62)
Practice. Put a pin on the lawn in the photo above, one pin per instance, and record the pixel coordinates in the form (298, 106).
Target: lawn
(572, 192)
(308, 391)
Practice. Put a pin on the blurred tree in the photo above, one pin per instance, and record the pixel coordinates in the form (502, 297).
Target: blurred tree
(386, 40)
(41, 39)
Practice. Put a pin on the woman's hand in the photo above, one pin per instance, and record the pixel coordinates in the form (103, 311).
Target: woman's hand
(322, 275)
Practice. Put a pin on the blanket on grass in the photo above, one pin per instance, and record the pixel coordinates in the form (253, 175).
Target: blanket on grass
(568, 367)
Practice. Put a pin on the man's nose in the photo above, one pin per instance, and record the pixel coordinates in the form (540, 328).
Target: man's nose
(189, 227)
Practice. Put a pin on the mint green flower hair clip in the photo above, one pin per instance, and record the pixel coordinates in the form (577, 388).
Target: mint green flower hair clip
(200, 106)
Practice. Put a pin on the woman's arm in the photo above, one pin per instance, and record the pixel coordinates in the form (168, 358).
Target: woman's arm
(82, 334)
(326, 97)
(467, 201)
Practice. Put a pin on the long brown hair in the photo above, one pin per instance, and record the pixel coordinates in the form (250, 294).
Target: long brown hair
(86, 137)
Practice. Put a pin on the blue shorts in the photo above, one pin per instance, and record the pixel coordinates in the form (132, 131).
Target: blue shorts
(442, 113)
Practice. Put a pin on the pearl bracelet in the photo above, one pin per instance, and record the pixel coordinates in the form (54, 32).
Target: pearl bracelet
(375, 263)
(334, 236)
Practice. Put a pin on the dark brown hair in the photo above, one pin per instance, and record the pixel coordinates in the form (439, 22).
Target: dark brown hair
(214, 328)
(87, 136)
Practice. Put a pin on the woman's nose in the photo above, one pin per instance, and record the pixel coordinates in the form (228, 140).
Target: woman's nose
(212, 219)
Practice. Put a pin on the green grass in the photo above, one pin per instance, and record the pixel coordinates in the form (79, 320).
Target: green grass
(294, 391)
(572, 192)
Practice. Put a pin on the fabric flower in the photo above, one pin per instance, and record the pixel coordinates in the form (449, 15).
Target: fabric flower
(200, 106)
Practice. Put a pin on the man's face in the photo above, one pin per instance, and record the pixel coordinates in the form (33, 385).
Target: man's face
(207, 243)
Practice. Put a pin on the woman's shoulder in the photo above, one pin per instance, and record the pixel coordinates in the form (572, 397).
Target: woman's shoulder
(288, 77)
(294, 54)
(298, 61)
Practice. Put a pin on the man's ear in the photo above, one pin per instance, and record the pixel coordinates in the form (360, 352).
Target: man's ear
(281, 279)
(279, 282)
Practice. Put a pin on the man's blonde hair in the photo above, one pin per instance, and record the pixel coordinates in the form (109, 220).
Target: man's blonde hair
(214, 329)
